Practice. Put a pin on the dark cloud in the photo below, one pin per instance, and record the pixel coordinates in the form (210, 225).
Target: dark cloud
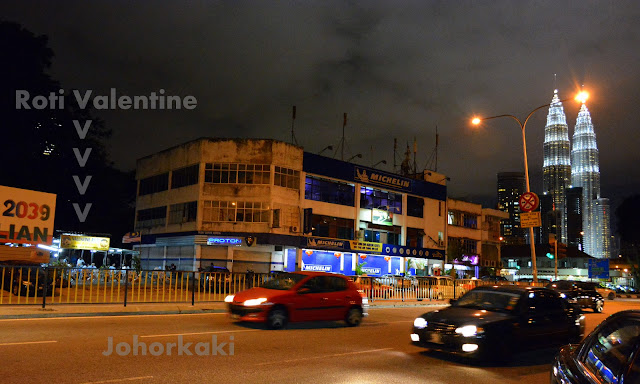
(399, 69)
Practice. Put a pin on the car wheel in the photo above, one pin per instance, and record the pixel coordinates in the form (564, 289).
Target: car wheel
(277, 318)
(612, 296)
(354, 317)
(599, 306)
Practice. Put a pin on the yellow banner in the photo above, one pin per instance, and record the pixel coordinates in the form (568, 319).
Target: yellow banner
(84, 242)
(530, 219)
(365, 246)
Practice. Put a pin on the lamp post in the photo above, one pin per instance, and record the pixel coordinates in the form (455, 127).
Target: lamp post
(582, 97)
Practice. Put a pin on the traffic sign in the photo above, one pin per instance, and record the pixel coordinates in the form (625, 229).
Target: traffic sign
(530, 219)
(529, 201)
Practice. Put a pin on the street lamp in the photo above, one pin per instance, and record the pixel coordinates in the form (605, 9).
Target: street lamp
(359, 155)
(581, 97)
(379, 162)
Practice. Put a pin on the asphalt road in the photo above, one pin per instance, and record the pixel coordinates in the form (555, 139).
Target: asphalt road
(75, 350)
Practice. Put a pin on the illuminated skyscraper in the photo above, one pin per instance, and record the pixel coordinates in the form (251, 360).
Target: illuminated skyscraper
(585, 173)
(557, 163)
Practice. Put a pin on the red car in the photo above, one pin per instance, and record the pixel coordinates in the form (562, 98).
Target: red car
(300, 296)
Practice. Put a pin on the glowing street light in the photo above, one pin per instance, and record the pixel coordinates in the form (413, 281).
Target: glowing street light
(582, 97)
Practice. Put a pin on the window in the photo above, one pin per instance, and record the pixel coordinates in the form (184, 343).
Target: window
(334, 227)
(469, 246)
(225, 173)
(610, 350)
(151, 217)
(414, 237)
(463, 219)
(183, 212)
(545, 302)
(235, 211)
(333, 192)
(415, 206)
(382, 234)
(287, 178)
(185, 176)
(376, 198)
(154, 184)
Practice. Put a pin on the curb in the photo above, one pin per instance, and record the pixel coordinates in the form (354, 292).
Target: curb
(51, 314)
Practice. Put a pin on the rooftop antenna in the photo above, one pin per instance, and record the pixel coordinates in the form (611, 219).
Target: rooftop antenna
(342, 143)
(434, 154)
(415, 152)
(395, 152)
(293, 120)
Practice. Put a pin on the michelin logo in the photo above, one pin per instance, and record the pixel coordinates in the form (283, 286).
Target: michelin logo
(315, 267)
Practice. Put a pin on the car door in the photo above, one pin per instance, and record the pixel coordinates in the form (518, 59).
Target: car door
(545, 321)
(337, 298)
(311, 300)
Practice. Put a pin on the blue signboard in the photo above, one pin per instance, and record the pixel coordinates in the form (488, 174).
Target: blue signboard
(598, 268)
(320, 261)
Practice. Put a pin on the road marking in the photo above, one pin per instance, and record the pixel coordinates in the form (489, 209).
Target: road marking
(30, 342)
(200, 333)
(111, 317)
(119, 380)
(325, 356)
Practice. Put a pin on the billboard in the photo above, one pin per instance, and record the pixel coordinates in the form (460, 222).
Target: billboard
(84, 242)
(27, 216)
(598, 268)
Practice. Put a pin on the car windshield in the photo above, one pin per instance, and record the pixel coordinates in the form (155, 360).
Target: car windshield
(489, 300)
(284, 281)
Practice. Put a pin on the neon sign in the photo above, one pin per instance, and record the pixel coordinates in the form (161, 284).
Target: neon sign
(224, 241)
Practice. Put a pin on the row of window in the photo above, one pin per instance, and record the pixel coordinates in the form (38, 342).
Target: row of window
(463, 219)
(221, 173)
(178, 214)
(341, 193)
(235, 211)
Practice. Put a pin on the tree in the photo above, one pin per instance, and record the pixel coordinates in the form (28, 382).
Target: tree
(38, 151)
(629, 230)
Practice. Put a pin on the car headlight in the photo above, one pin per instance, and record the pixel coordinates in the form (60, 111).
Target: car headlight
(420, 323)
(229, 299)
(469, 330)
(254, 302)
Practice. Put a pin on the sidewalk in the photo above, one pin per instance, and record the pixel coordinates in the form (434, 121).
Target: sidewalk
(30, 311)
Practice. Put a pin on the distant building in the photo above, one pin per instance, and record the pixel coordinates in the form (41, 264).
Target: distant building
(557, 163)
(510, 186)
(575, 233)
(585, 173)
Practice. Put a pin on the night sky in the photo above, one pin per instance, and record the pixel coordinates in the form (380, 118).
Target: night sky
(399, 69)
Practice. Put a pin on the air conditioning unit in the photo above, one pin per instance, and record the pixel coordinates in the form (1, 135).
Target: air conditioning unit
(441, 243)
(293, 229)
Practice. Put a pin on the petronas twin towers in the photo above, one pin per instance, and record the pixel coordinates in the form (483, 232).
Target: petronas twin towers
(575, 166)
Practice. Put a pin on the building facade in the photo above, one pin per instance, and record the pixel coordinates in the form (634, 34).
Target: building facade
(266, 205)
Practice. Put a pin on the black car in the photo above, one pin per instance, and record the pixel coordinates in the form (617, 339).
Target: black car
(610, 354)
(494, 321)
(580, 293)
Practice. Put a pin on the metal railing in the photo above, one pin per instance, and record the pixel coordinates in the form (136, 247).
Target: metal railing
(55, 285)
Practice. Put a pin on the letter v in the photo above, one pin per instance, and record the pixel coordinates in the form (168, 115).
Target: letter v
(82, 160)
(82, 216)
(82, 132)
(82, 188)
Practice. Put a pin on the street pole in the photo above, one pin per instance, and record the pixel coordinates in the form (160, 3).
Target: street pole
(555, 254)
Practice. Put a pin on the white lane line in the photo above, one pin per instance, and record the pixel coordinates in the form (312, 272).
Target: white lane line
(29, 342)
(325, 356)
(200, 333)
(110, 317)
(119, 380)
